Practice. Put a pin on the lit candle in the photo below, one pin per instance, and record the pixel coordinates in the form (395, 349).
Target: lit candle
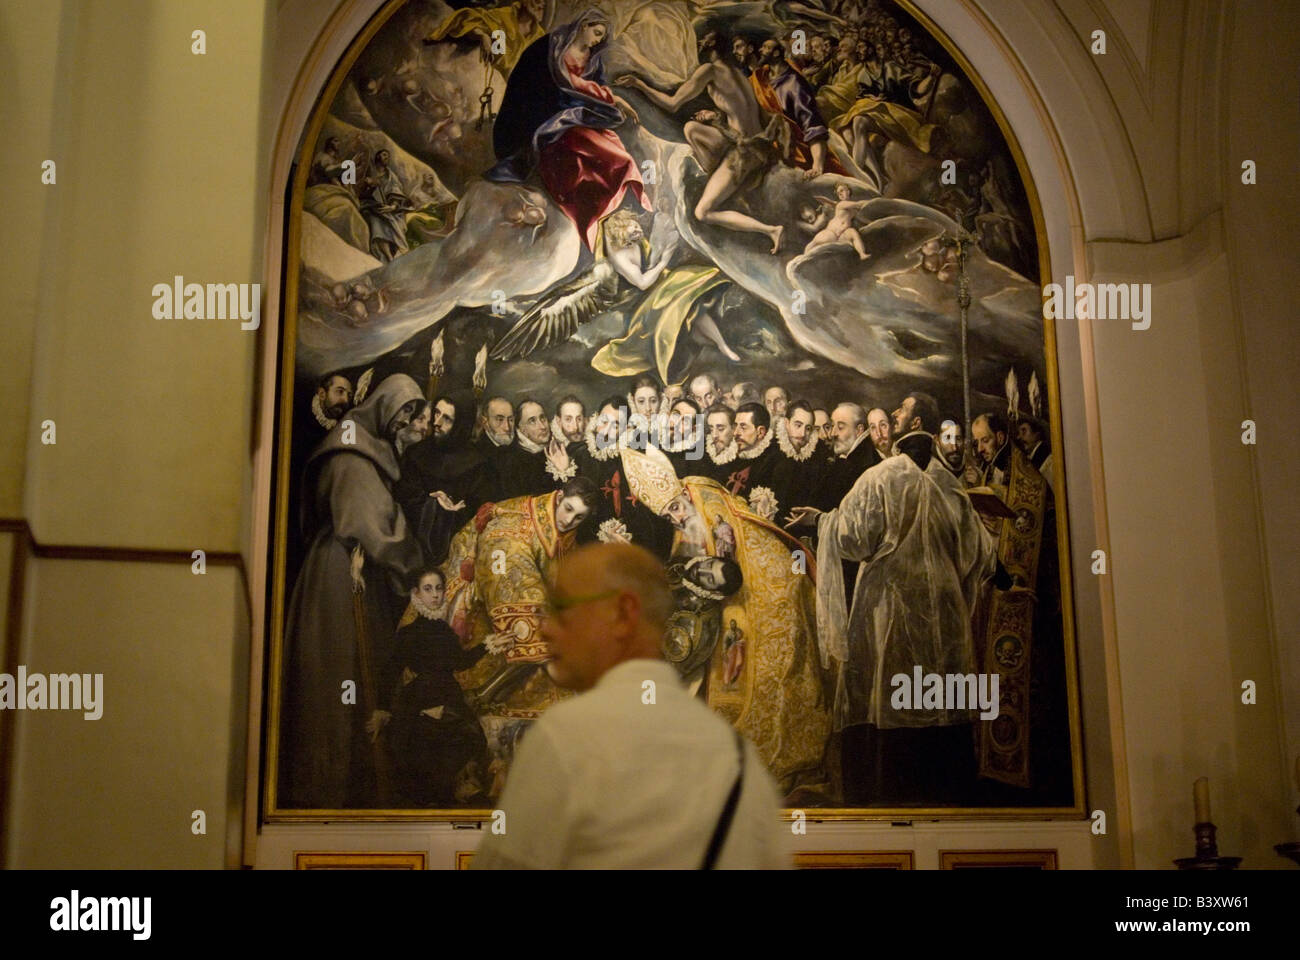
(1201, 797)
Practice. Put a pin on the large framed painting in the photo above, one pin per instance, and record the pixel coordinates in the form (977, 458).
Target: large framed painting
(756, 286)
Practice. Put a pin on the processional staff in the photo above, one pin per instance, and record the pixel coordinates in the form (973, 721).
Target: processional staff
(962, 242)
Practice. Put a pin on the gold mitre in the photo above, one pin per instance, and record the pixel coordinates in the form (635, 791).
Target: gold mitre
(651, 477)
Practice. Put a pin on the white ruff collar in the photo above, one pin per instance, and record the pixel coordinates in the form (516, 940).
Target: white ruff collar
(607, 451)
(557, 433)
(527, 445)
(758, 450)
(726, 456)
(318, 411)
(783, 441)
(426, 610)
(677, 446)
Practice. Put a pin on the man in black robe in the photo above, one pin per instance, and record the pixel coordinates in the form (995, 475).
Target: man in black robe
(601, 462)
(756, 457)
(533, 465)
(1033, 439)
(989, 431)
(497, 423)
(570, 425)
(852, 454)
(720, 447)
(681, 437)
(799, 460)
(445, 479)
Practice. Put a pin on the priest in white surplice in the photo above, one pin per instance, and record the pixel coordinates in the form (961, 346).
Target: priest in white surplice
(923, 555)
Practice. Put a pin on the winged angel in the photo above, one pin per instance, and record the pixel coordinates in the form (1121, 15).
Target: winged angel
(668, 302)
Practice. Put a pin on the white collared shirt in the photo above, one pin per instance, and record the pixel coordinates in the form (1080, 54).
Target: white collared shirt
(605, 780)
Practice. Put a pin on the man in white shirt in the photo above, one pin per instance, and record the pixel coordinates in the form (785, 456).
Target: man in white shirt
(632, 772)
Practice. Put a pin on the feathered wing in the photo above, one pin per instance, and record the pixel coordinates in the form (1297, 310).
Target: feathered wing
(556, 316)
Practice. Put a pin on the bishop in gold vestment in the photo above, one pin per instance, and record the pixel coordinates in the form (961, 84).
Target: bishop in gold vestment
(776, 694)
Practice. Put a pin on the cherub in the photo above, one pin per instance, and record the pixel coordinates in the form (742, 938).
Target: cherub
(833, 222)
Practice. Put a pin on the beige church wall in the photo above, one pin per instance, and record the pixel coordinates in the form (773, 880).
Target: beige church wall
(158, 170)
(8, 541)
(119, 792)
(1185, 558)
(160, 173)
(28, 34)
(1259, 222)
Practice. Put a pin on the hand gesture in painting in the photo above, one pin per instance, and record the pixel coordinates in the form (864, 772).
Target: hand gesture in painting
(358, 561)
(626, 107)
(557, 455)
(499, 642)
(800, 516)
(629, 80)
(378, 720)
(446, 502)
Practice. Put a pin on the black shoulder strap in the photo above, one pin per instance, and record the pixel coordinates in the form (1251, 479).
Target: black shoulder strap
(728, 811)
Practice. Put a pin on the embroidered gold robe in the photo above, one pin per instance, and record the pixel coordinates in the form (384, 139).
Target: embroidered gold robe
(497, 570)
(778, 700)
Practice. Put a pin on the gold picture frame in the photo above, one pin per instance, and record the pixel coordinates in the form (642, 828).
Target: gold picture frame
(354, 860)
(273, 812)
(855, 860)
(997, 860)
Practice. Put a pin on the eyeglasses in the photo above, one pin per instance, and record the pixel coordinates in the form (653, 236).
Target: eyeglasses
(559, 604)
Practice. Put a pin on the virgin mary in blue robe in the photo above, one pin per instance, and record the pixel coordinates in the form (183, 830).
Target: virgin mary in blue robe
(557, 119)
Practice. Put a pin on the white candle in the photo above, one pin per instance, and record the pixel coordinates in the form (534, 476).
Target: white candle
(1201, 797)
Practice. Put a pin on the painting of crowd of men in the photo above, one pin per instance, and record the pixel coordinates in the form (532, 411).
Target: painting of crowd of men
(561, 471)
(805, 477)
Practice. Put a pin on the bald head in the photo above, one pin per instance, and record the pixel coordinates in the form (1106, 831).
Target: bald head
(610, 603)
(848, 423)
